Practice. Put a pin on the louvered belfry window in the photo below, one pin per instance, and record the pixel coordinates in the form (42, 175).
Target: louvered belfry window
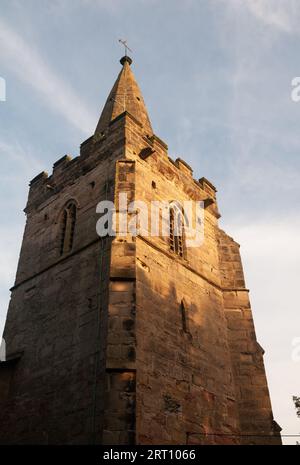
(177, 231)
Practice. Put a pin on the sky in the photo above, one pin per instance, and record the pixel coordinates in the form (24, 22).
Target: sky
(216, 77)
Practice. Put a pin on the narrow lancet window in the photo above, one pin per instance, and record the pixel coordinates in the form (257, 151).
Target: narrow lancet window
(68, 222)
(184, 319)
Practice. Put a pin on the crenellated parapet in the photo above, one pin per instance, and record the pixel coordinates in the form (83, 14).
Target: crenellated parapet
(66, 170)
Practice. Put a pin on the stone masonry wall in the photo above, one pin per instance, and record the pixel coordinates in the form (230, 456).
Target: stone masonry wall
(120, 411)
(184, 391)
(255, 411)
(57, 316)
(122, 341)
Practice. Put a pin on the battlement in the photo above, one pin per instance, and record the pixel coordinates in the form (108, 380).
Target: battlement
(111, 143)
(207, 186)
(204, 185)
(154, 150)
(67, 169)
(40, 177)
(184, 167)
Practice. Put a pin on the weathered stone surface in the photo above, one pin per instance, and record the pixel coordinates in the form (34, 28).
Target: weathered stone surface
(122, 340)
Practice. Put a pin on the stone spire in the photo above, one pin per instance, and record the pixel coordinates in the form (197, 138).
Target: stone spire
(124, 96)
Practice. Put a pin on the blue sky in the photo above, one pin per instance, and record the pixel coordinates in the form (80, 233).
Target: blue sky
(216, 77)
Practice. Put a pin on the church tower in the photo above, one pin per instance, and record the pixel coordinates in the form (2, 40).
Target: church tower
(128, 339)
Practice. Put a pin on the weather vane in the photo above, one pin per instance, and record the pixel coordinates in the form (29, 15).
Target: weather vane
(124, 42)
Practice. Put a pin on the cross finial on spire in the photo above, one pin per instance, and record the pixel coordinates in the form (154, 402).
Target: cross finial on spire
(124, 42)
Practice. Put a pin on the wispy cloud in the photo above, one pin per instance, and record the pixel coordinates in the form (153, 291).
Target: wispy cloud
(283, 15)
(21, 157)
(278, 13)
(25, 61)
(260, 118)
(20, 166)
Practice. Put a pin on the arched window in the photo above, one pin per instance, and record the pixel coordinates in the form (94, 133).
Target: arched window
(68, 222)
(177, 243)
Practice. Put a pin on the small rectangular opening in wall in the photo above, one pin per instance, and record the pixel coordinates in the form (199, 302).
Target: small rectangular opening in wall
(184, 317)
